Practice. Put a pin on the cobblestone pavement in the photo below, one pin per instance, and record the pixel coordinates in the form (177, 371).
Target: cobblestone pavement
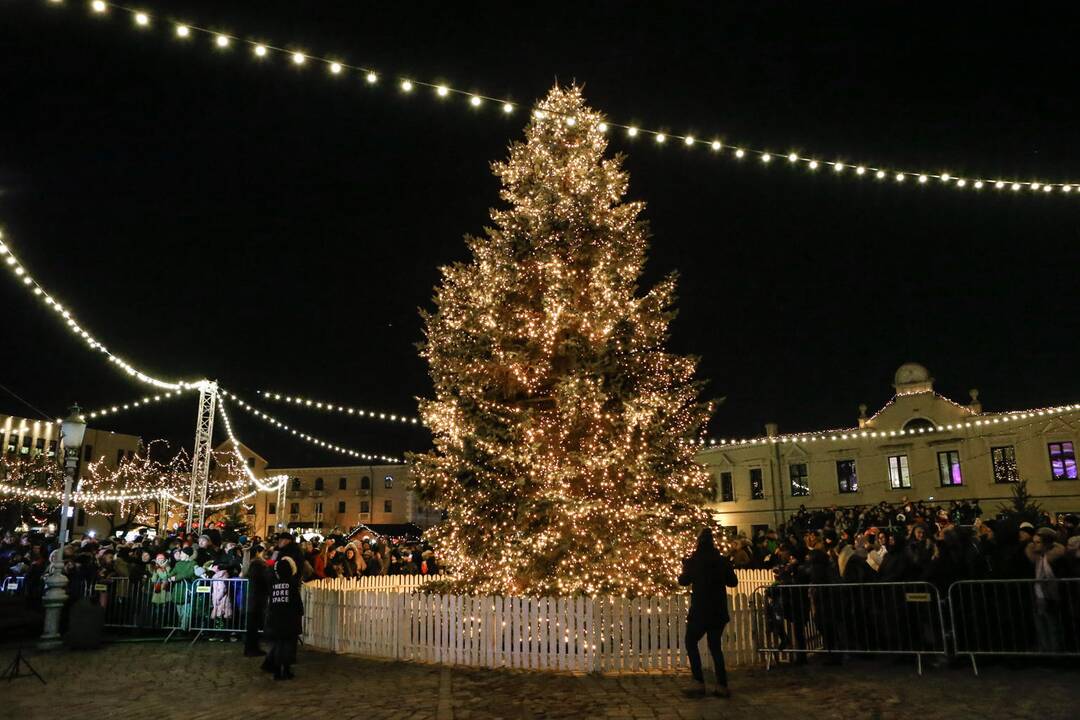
(211, 680)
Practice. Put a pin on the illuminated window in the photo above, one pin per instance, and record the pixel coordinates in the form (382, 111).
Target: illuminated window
(26, 442)
(949, 468)
(1004, 463)
(800, 482)
(899, 477)
(388, 482)
(847, 479)
(1062, 460)
(52, 448)
(39, 446)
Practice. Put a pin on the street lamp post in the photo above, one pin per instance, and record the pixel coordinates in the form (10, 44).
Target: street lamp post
(71, 435)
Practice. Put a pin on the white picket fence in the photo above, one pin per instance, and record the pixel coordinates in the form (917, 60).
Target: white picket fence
(384, 617)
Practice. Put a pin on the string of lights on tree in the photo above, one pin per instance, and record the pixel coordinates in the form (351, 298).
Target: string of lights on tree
(223, 42)
(318, 442)
(331, 407)
(19, 271)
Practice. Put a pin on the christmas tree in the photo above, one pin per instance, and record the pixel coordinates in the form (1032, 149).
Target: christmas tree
(564, 433)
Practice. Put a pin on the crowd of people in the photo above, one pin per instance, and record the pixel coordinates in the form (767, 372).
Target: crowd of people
(912, 540)
(151, 581)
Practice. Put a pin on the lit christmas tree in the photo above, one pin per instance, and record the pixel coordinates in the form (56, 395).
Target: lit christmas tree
(564, 432)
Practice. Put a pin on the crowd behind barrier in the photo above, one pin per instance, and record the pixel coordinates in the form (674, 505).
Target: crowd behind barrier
(911, 578)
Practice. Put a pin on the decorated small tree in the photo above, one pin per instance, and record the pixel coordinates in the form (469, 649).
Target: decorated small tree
(564, 432)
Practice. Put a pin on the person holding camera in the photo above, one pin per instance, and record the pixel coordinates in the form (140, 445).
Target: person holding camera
(709, 574)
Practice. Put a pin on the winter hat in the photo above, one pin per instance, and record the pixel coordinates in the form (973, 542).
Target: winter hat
(285, 568)
(1048, 535)
(189, 551)
(1027, 526)
(1074, 543)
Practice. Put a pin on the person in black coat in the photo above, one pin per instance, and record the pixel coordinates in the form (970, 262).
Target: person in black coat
(709, 574)
(285, 620)
(259, 578)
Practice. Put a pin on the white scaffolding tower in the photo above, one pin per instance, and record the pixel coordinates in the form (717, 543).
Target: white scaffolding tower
(200, 459)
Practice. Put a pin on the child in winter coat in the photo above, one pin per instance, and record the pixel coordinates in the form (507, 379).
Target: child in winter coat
(222, 601)
(285, 620)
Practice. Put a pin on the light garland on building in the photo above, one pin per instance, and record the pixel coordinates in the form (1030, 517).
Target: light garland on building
(21, 274)
(181, 31)
(273, 421)
(343, 409)
(987, 421)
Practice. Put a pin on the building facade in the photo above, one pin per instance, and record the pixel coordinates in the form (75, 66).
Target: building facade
(25, 438)
(319, 499)
(920, 445)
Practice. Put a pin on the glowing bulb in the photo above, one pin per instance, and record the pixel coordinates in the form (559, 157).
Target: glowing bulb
(1048, 188)
(182, 31)
(838, 167)
(222, 41)
(475, 101)
(792, 157)
(860, 170)
(1066, 188)
(372, 78)
(740, 153)
(999, 185)
(260, 50)
(1035, 186)
(923, 178)
(899, 177)
(766, 157)
(442, 91)
(631, 131)
(335, 68)
(961, 182)
(1016, 186)
(880, 174)
(298, 58)
(813, 164)
(508, 108)
(689, 140)
(142, 19)
(978, 184)
(602, 127)
(945, 177)
(660, 137)
(98, 6)
(571, 121)
(716, 145)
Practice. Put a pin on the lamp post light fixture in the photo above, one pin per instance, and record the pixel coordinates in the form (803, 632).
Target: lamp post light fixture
(72, 430)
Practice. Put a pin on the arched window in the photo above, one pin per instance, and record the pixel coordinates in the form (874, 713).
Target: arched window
(365, 483)
(318, 484)
(917, 424)
(296, 483)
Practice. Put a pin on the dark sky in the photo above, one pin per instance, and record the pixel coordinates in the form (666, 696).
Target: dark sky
(270, 226)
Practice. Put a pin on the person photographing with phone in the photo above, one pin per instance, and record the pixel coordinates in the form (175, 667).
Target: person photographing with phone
(709, 574)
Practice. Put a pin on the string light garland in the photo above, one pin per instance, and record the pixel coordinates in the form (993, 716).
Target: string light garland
(274, 481)
(331, 407)
(988, 421)
(22, 275)
(273, 421)
(142, 21)
(111, 410)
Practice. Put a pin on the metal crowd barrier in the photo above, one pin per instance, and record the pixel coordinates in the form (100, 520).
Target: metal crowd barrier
(1015, 617)
(202, 605)
(12, 585)
(902, 618)
(218, 605)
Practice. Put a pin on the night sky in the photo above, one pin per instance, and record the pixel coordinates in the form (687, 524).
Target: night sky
(205, 214)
